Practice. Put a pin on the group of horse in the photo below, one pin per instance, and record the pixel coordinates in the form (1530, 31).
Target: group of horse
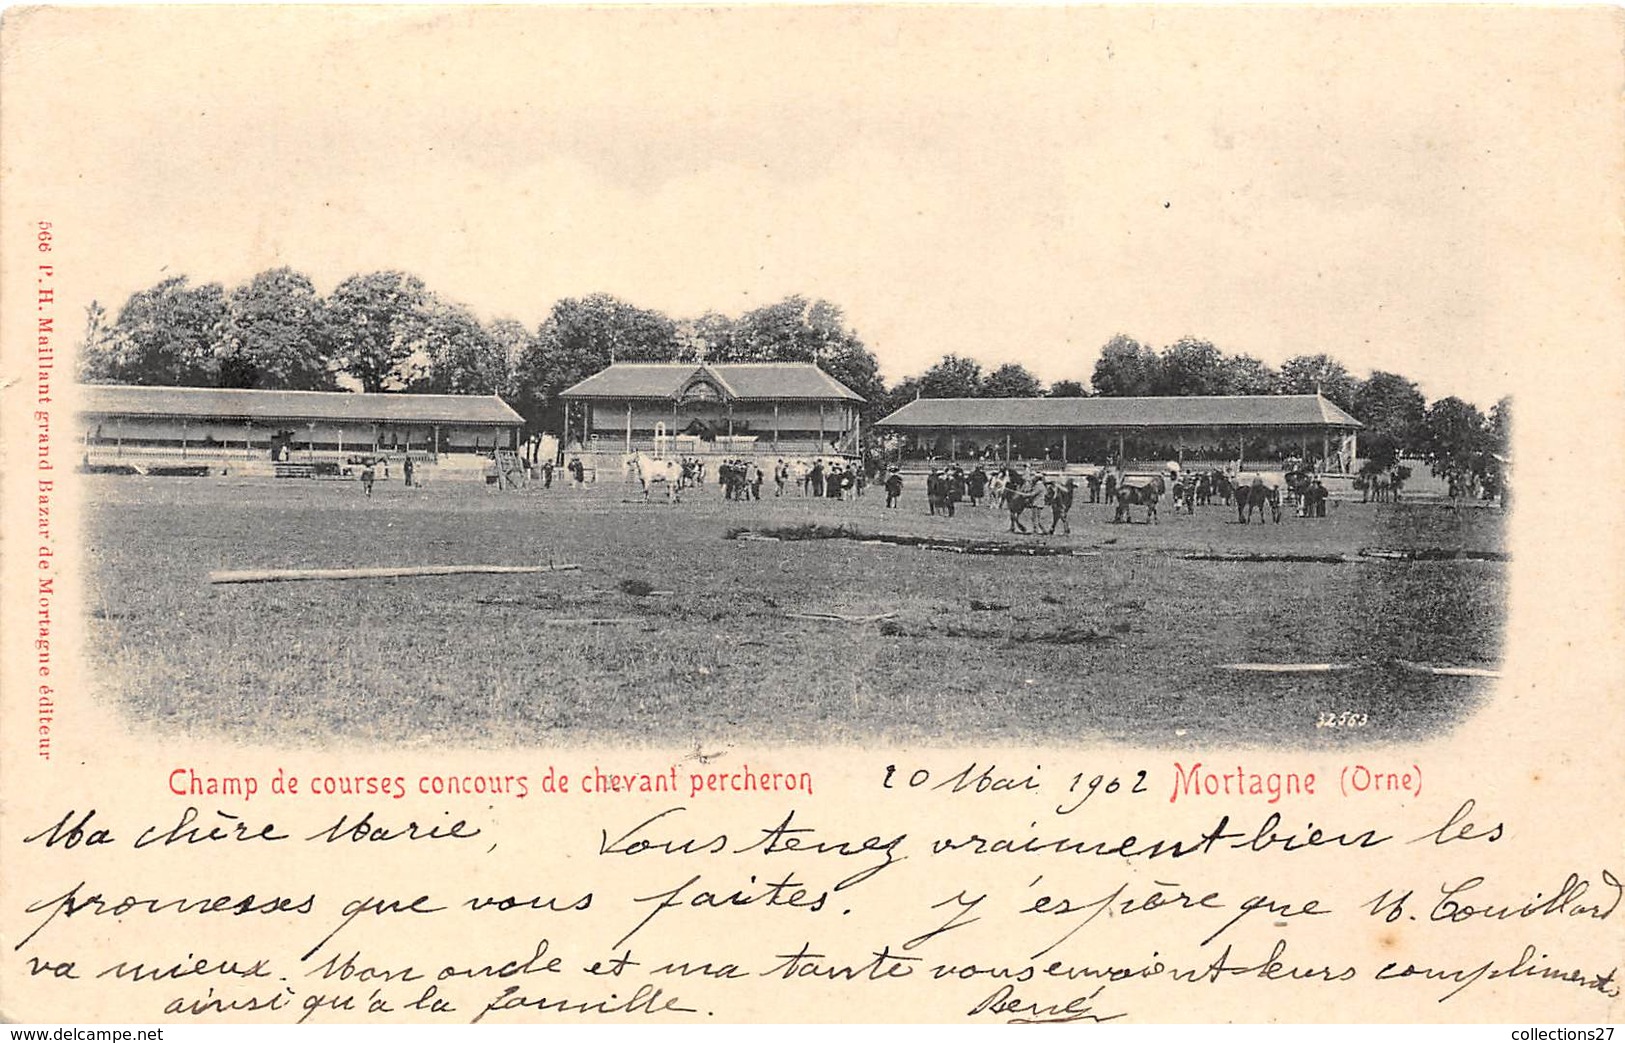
(1381, 486)
(1032, 494)
(1028, 496)
(1020, 493)
(811, 477)
(1261, 493)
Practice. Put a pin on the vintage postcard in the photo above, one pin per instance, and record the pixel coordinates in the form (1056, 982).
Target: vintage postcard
(811, 514)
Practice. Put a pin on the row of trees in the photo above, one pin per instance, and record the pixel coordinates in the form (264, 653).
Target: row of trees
(387, 331)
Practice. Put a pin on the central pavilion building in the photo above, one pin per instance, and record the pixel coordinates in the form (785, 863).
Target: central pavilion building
(700, 408)
(1213, 427)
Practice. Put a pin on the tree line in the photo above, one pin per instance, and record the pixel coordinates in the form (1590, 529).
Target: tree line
(387, 331)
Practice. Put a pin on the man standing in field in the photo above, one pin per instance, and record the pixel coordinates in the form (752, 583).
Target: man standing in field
(976, 485)
(1315, 499)
(407, 471)
(367, 477)
(1060, 502)
(894, 487)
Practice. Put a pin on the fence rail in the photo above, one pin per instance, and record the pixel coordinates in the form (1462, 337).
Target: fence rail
(110, 450)
(759, 448)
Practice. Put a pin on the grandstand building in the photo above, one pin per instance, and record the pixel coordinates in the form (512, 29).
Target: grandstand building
(726, 408)
(123, 422)
(1233, 428)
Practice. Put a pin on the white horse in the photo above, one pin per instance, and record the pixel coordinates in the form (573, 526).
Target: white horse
(650, 470)
(996, 485)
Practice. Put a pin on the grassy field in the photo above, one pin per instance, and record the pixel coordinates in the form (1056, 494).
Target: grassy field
(1117, 646)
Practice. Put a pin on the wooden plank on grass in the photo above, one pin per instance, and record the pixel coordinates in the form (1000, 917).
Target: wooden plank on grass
(836, 617)
(1445, 671)
(391, 572)
(1289, 668)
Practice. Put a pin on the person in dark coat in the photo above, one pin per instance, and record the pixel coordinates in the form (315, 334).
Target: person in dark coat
(1317, 495)
(976, 484)
(408, 470)
(953, 488)
(1060, 503)
(894, 488)
(578, 471)
(547, 474)
(817, 478)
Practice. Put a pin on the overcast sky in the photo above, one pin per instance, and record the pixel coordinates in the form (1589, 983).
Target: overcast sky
(1399, 190)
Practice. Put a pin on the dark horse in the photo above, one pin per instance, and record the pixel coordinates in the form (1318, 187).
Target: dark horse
(1019, 501)
(1257, 495)
(1141, 492)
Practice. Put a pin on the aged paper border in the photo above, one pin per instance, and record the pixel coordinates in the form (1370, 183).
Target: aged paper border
(1544, 756)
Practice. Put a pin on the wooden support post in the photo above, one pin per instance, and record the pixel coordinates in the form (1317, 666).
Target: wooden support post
(1325, 450)
(434, 450)
(183, 439)
(1063, 451)
(1241, 450)
(248, 439)
(628, 425)
(1007, 448)
(821, 442)
(1119, 450)
(775, 425)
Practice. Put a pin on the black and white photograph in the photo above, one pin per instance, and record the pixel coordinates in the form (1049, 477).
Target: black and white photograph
(1070, 407)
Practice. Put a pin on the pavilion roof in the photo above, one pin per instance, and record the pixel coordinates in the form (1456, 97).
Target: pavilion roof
(1171, 412)
(742, 381)
(254, 404)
